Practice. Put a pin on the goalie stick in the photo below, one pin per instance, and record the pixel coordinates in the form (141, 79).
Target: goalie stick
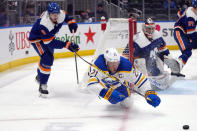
(114, 78)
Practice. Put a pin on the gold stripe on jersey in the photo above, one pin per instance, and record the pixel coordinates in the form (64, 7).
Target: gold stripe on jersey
(108, 94)
(141, 80)
(128, 91)
(92, 80)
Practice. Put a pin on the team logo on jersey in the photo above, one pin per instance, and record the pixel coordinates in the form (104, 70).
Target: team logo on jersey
(11, 44)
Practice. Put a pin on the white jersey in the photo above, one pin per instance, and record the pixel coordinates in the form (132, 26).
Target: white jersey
(143, 41)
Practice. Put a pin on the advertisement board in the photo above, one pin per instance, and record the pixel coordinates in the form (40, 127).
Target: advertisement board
(15, 45)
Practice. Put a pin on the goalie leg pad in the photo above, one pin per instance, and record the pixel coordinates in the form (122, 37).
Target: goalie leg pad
(173, 64)
(162, 81)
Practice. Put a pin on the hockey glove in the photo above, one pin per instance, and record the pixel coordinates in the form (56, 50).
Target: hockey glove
(152, 98)
(72, 25)
(112, 95)
(72, 46)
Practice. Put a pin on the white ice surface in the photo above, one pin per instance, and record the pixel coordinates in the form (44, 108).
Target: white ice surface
(68, 109)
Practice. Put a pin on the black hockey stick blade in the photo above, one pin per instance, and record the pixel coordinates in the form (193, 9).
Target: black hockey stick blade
(177, 74)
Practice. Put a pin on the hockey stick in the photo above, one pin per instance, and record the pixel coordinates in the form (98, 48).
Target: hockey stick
(76, 61)
(76, 68)
(177, 74)
(114, 78)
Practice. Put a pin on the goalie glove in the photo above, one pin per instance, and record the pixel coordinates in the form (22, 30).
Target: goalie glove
(72, 46)
(152, 98)
(112, 95)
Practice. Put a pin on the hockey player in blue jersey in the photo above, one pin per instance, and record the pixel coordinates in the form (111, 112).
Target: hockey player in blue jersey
(185, 32)
(42, 38)
(150, 53)
(117, 92)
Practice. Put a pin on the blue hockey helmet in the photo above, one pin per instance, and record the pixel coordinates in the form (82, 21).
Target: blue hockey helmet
(194, 3)
(53, 7)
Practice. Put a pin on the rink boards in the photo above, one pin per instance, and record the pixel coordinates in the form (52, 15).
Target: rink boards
(16, 50)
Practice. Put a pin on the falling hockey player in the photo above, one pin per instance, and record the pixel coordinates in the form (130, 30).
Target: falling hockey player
(185, 32)
(150, 54)
(118, 91)
(42, 38)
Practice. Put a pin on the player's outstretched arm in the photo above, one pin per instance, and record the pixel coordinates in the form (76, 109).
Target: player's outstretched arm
(142, 85)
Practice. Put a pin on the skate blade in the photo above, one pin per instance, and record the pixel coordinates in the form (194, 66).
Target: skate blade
(43, 95)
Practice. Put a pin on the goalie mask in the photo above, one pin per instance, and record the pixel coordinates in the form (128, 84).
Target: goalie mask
(148, 27)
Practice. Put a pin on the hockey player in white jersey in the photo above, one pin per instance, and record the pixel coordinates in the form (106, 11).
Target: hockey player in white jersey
(121, 68)
(150, 54)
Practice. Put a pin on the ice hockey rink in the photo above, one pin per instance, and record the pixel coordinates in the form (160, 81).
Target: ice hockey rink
(69, 109)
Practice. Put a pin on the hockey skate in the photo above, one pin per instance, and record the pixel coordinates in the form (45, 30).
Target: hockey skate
(43, 91)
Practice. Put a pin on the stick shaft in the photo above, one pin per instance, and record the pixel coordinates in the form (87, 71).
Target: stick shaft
(76, 60)
(76, 68)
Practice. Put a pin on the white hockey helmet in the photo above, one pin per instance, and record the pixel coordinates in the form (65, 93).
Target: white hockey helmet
(148, 27)
(111, 55)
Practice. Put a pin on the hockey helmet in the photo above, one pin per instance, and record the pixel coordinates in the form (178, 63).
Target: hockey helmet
(53, 7)
(194, 3)
(111, 55)
(148, 27)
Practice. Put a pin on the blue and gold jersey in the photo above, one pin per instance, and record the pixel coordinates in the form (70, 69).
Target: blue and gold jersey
(125, 73)
(124, 66)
